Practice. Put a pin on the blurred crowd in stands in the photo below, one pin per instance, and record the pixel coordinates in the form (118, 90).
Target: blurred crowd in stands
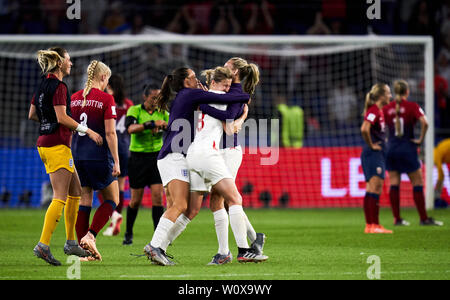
(318, 17)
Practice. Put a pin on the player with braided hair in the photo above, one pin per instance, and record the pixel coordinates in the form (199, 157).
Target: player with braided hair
(50, 107)
(98, 166)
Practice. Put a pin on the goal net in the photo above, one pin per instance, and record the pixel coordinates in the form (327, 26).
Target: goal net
(302, 137)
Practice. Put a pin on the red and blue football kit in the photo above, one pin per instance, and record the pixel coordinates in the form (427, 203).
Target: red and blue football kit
(94, 163)
(401, 153)
(372, 161)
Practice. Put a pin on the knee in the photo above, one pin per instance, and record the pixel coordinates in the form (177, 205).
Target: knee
(181, 206)
(157, 199)
(236, 199)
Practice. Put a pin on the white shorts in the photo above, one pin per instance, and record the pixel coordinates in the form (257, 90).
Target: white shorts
(206, 169)
(173, 166)
(233, 159)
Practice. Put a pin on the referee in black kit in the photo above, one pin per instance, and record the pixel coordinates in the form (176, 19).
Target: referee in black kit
(145, 124)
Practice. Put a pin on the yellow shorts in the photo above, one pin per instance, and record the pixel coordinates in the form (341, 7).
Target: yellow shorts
(56, 157)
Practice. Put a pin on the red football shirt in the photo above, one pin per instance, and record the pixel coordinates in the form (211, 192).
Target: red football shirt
(409, 113)
(63, 135)
(99, 107)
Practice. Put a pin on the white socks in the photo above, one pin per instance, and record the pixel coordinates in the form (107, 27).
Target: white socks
(160, 234)
(167, 231)
(221, 224)
(251, 233)
(238, 225)
(179, 226)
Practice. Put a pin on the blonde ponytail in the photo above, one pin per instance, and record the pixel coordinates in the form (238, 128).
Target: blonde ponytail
(401, 89)
(94, 69)
(372, 97)
(48, 60)
(248, 73)
(252, 79)
(208, 75)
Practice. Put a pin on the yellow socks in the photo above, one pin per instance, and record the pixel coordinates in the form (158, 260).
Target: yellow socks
(70, 216)
(52, 216)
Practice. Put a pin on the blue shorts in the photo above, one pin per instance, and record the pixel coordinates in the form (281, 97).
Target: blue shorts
(96, 174)
(402, 158)
(123, 160)
(373, 163)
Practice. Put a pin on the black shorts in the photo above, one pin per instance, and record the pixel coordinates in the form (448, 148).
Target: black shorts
(143, 170)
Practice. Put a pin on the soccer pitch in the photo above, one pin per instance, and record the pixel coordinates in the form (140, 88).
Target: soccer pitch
(327, 244)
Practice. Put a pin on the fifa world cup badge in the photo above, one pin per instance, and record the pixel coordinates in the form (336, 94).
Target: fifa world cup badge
(379, 170)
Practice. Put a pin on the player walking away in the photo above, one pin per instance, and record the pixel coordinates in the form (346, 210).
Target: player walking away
(116, 89)
(373, 154)
(172, 163)
(145, 124)
(98, 166)
(50, 106)
(441, 156)
(401, 116)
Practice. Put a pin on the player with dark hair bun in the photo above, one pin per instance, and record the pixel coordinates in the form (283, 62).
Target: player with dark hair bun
(116, 88)
(145, 124)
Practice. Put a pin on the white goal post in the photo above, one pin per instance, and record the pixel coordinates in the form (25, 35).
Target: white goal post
(313, 45)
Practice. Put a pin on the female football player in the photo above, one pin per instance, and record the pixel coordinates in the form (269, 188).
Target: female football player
(50, 107)
(145, 125)
(373, 156)
(116, 88)
(98, 167)
(401, 117)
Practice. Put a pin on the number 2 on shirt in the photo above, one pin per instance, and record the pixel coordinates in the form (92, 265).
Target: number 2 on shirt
(83, 121)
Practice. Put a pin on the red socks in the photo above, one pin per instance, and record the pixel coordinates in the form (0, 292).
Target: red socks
(82, 225)
(101, 217)
(371, 208)
(419, 200)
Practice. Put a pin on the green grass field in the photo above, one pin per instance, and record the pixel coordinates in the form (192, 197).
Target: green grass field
(301, 244)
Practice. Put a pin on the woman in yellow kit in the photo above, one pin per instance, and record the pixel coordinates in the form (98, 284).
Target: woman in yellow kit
(50, 106)
(441, 156)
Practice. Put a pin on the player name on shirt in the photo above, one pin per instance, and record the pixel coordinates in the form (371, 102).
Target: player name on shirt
(93, 103)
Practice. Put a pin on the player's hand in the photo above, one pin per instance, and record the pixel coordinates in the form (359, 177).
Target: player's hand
(377, 147)
(201, 86)
(95, 137)
(161, 124)
(245, 110)
(418, 142)
(116, 169)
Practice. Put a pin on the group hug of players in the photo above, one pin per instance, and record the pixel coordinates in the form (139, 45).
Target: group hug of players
(90, 130)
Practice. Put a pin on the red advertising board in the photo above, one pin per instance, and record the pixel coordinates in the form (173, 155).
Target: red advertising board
(310, 177)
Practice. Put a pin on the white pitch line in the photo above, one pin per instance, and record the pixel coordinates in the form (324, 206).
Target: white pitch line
(300, 275)
(282, 274)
